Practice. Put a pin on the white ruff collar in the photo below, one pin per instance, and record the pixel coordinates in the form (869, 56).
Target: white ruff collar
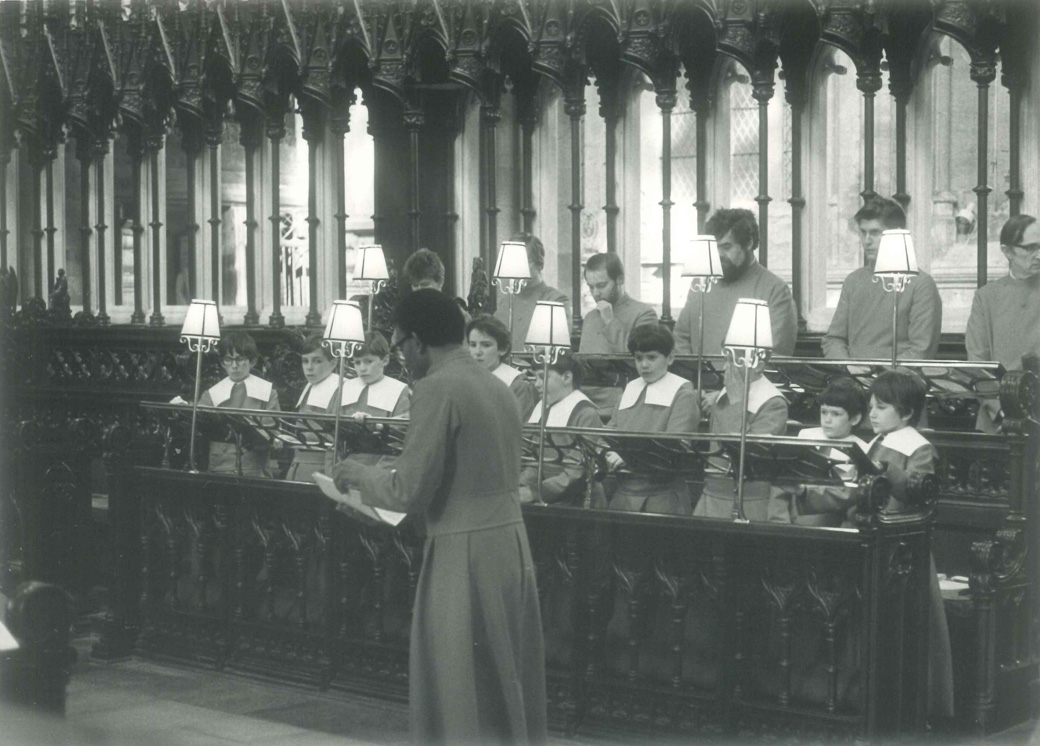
(761, 391)
(661, 392)
(904, 441)
(383, 394)
(816, 433)
(319, 394)
(256, 388)
(559, 413)
(505, 373)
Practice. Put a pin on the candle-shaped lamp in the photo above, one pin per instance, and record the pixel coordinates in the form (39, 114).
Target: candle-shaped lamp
(201, 332)
(703, 265)
(548, 336)
(371, 267)
(895, 267)
(344, 333)
(512, 271)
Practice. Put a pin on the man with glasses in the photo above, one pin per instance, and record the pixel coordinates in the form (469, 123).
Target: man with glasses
(476, 659)
(1004, 324)
(239, 390)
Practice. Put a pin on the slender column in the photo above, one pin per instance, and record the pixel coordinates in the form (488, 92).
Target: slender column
(276, 131)
(100, 151)
(36, 164)
(451, 217)
(575, 109)
(413, 123)
(340, 126)
(49, 229)
(250, 140)
(702, 204)
(1014, 191)
(666, 101)
(901, 196)
(313, 128)
(762, 91)
(608, 109)
(868, 83)
(797, 201)
(155, 146)
(5, 159)
(214, 135)
(528, 121)
(83, 153)
(489, 119)
(191, 145)
(983, 74)
(136, 155)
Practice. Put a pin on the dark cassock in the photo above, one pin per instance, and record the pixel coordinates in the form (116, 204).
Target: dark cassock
(476, 662)
(252, 393)
(523, 304)
(562, 482)
(317, 398)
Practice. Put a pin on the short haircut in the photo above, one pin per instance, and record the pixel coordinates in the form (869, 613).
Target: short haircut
(423, 265)
(434, 318)
(535, 249)
(903, 389)
(375, 344)
(608, 261)
(495, 329)
(651, 338)
(886, 211)
(568, 363)
(737, 220)
(237, 342)
(312, 343)
(845, 393)
(1013, 230)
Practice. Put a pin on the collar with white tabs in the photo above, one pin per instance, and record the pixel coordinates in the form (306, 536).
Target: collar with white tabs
(761, 391)
(905, 440)
(816, 433)
(319, 394)
(505, 373)
(383, 394)
(256, 388)
(560, 412)
(660, 393)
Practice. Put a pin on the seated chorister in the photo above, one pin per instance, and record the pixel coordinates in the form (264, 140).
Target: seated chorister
(241, 389)
(656, 401)
(567, 407)
(372, 392)
(490, 343)
(320, 396)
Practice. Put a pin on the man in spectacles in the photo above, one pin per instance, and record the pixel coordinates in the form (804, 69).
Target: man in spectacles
(1004, 323)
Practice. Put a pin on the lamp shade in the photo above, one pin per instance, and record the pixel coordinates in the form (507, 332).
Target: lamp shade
(750, 325)
(512, 261)
(703, 258)
(896, 254)
(371, 264)
(202, 320)
(345, 323)
(549, 327)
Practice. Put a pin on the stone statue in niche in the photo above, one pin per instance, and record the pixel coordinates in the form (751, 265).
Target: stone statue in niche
(60, 294)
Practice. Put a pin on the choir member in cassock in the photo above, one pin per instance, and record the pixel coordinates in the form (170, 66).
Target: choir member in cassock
(743, 277)
(490, 343)
(424, 269)
(239, 390)
(767, 415)
(476, 659)
(862, 322)
(567, 407)
(522, 304)
(1004, 324)
(656, 401)
(373, 392)
(320, 396)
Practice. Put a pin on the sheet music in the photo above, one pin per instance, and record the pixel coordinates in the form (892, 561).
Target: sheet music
(352, 499)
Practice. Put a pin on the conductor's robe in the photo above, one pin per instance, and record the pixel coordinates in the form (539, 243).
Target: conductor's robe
(476, 661)
(524, 391)
(767, 415)
(387, 397)
(562, 483)
(252, 393)
(668, 405)
(318, 398)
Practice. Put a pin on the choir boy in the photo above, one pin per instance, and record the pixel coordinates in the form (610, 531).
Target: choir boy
(490, 344)
(239, 390)
(372, 392)
(656, 401)
(320, 396)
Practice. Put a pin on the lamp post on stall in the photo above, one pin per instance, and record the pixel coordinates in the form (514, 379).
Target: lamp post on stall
(895, 267)
(344, 333)
(703, 265)
(548, 336)
(371, 267)
(749, 341)
(512, 272)
(201, 332)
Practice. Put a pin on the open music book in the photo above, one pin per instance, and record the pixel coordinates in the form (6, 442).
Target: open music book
(352, 499)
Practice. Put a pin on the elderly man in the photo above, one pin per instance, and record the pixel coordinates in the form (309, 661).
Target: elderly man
(476, 660)
(862, 323)
(534, 290)
(1004, 324)
(743, 277)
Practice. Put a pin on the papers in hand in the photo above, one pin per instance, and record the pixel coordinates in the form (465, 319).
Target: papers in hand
(7, 641)
(352, 499)
(177, 400)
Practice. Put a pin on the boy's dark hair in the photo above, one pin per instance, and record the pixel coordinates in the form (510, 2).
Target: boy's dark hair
(737, 220)
(312, 343)
(1013, 230)
(884, 210)
(609, 262)
(845, 393)
(423, 265)
(535, 249)
(570, 364)
(434, 318)
(651, 338)
(904, 390)
(375, 344)
(237, 342)
(495, 329)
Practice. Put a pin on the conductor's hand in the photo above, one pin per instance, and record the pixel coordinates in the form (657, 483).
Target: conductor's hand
(614, 461)
(606, 311)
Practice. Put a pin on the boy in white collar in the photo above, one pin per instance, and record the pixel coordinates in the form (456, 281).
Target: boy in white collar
(320, 396)
(372, 392)
(567, 407)
(239, 390)
(489, 344)
(656, 401)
